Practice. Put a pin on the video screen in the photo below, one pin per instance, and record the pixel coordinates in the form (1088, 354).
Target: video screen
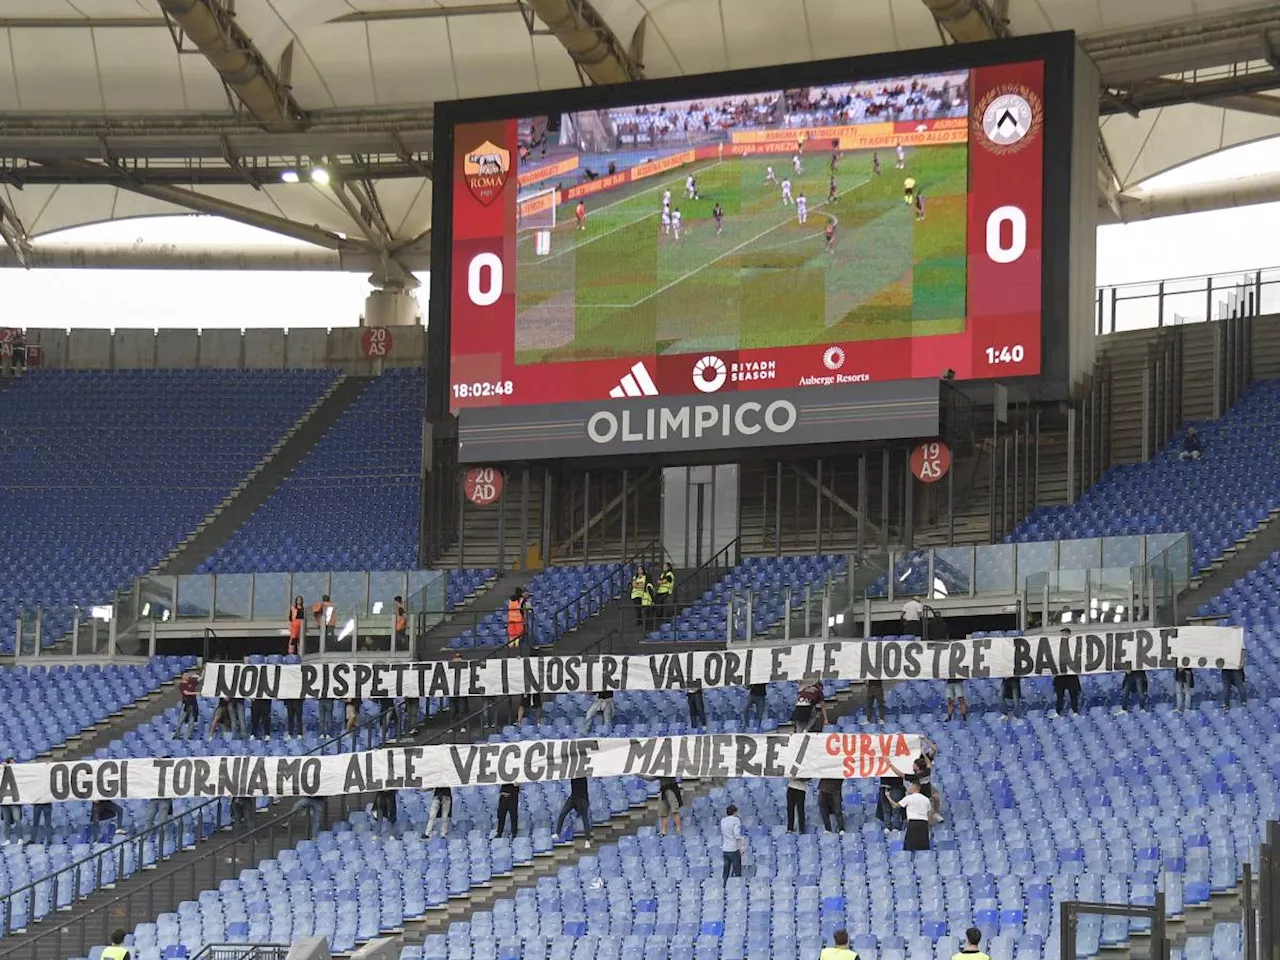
(795, 237)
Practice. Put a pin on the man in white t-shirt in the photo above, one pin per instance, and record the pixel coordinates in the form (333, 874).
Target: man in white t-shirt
(913, 617)
(731, 843)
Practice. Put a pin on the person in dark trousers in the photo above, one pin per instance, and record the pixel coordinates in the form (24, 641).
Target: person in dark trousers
(875, 694)
(831, 803)
(732, 842)
(577, 802)
(241, 810)
(970, 949)
(385, 808)
(757, 700)
(666, 593)
(1010, 697)
(810, 714)
(797, 793)
(1233, 679)
(509, 808)
(102, 810)
(260, 719)
(42, 813)
(919, 810)
(11, 815)
(388, 720)
(1192, 445)
(293, 718)
(887, 812)
(638, 583)
(1133, 686)
(697, 705)
(1066, 685)
(189, 691)
(117, 950)
(670, 800)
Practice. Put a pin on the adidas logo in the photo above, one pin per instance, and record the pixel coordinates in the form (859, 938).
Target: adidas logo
(637, 383)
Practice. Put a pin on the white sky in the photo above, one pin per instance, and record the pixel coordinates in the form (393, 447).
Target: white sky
(1222, 242)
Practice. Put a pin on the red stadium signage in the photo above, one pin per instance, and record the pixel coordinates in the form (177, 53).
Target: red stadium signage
(376, 342)
(930, 461)
(482, 485)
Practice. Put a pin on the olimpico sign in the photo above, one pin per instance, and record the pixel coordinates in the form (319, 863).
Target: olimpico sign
(692, 421)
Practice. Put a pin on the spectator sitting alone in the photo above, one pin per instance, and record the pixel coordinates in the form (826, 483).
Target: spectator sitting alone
(1192, 445)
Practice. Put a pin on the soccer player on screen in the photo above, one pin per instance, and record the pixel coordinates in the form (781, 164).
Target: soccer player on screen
(909, 190)
(580, 211)
(718, 212)
(802, 208)
(875, 164)
(902, 158)
(796, 165)
(666, 199)
(666, 220)
(675, 222)
(831, 236)
(769, 176)
(786, 192)
(691, 187)
(919, 204)
(832, 194)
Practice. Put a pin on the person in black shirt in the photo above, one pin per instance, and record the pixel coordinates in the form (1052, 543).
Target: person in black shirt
(1133, 685)
(1010, 697)
(875, 694)
(1066, 685)
(831, 802)
(891, 789)
(509, 807)
(577, 802)
(922, 777)
(757, 697)
(697, 706)
(384, 808)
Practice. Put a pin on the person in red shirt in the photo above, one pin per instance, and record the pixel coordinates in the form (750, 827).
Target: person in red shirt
(580, 211)
(189, 690)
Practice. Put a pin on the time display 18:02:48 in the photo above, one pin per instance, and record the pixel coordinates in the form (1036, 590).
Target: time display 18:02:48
(483, 388)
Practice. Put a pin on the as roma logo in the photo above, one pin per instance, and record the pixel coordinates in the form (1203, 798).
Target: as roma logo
(486, 168)
(1008, 118)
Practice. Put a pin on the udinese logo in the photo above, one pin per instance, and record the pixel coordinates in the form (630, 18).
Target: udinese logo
(833, 358)
(709, 374)
(1008, 118)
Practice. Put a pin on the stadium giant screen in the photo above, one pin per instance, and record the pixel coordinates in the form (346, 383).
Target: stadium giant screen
(804, 227)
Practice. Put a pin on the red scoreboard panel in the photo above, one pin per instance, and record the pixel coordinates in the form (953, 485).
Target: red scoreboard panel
(864, 221)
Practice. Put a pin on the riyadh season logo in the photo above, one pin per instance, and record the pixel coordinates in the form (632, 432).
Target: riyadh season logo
(709, 374)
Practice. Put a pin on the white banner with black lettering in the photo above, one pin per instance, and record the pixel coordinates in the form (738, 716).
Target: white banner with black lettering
(1079, 653)
(847, 756)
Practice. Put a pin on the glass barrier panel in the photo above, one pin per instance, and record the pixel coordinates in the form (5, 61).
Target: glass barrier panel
(1068, 597)
(1115, 594)
(911, 574)
(231, 596)
(29, 628)
(995, 568)
(271, 598)
(349, 590)
(422, 587)
(373, 634)
(1033, 600)
(195, 596)
(1158, 542)
(952, 572)
(384, 587)
(1079, 554)
(1178, 563)
(155, 594)
(878, 589)
(1121, 551)
(1035, 557)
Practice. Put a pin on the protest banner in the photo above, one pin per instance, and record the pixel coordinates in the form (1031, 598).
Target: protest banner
(974, 658)
(846, 756)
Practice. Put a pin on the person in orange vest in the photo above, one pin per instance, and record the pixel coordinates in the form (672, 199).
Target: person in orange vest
(297, 625)
(323, 612)
(402, 623)
(517, 620)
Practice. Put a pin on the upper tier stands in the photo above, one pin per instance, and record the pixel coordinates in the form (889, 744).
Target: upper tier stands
(767, 579)
(103, 473)
(352, 503)
(1217, 499)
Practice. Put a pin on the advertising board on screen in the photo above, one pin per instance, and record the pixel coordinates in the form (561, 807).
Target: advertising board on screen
(853, 224)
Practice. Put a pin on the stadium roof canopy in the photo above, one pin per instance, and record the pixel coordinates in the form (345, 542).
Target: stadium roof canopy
(121, 108)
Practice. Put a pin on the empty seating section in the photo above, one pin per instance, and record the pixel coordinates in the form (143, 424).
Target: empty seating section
(103, 473)
(352, 503)
(766, 579)
(553, 593)
(1217, 499)
(466, 583)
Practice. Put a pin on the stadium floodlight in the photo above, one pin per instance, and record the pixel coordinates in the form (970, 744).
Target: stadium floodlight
(290, 176)
(319, 175)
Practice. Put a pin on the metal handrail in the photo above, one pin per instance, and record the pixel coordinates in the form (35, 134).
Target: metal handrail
(116, 850)
(243, 951)
(641, 555)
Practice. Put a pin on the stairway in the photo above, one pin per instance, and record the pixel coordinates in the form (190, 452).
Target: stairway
(435, 644)
(485, 527)
(1266, 347)
(264, 479)
(1128, 355)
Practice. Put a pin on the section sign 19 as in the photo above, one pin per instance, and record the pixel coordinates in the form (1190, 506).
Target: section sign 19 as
(931, 461)
(482, 485)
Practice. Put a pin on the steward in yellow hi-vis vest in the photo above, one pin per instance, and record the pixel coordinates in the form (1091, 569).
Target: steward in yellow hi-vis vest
(639, 588)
